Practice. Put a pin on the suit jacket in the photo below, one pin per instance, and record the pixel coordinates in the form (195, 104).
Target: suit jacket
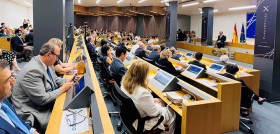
(6, 127)
(174, 56)
(32, 95)
(140, 53)
(149, 48)
(195, 62)
(168, 66)
(29, 38)
(222, 38)
(17, 41)
(118, 67)
(221, 63)
(91, 49)
(154, 56)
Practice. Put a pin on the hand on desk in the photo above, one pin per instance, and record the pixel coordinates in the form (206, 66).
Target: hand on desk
(35, 132)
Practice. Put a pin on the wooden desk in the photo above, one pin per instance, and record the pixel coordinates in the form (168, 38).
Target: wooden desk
(5, 44)
(55, 119)
(201, 116)
(242, 57)
(250, 76)
(229, 92)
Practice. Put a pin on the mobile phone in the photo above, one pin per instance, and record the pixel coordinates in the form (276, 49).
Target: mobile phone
(76, 75)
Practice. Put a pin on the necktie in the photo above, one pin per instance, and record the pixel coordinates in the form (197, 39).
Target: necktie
(49, 74)
(12, 116)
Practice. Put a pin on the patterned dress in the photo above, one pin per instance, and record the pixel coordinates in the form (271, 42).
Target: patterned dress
(8, 56)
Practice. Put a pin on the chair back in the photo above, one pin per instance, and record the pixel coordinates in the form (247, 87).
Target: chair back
(128, 111)
(149, 60)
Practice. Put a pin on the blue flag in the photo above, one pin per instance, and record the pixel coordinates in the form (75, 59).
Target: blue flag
(242, 36)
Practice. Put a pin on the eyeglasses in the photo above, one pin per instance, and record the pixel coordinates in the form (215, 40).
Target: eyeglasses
(74, 114)
(54, 54)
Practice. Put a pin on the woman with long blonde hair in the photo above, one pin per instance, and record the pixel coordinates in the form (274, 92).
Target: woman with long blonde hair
(135, 85)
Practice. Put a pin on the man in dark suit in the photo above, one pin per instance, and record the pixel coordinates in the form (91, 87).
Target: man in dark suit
(117, 66)
(154, 55)
(174, 53)
(19, 45)
(10, 123)
(91, 47)
(221, 40)
(2, 25)
(246, 93)
(198, 57)
(29, 38)
(140, 52)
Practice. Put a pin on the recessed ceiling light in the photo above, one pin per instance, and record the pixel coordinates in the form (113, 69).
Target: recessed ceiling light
(215, 10)
(27, 3)
(241, 8)
(97, 1)
(208, 1)
(141, 1)
(191, 4)
(119, 1)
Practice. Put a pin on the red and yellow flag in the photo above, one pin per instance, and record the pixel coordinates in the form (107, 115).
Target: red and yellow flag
(235, 38)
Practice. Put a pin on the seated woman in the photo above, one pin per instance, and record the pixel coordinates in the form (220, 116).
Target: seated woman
(246, 93)
(62, 68)
(10, 58)
(163, 60)
(106, 55)
(135, 85)
(3, 32)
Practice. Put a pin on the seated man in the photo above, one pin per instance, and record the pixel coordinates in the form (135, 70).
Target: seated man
(198, 57)
(174, 53)
(29, 38)
(9, 121)
(150, 47)
(140, 52)
(37, 87)
(221, 40)
(2, 25)
(19, 45)
(117, 66)
(246, 93)
(223, 60)
(154, 55)
(91, 47)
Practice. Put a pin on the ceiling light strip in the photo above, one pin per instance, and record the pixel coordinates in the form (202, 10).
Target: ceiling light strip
(191, 4)
(244, 7)
(208, 1)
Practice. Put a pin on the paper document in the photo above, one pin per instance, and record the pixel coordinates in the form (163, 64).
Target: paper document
(74, 122)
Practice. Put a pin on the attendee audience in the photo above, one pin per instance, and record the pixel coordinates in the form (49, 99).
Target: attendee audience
(29, 38)
(10, 122)
(155, 54)
(11, 59)
(246, 93)
(135, 86)
(140, 52)
(198, 58)
(174, 53)
(223, 60)
(117, 66)
(106, 57)
(164, 61)
(150, 47)
(37, 87)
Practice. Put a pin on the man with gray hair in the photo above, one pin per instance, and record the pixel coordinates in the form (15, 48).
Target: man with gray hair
(223, 60)
(154, 55)
(37, 87)
(140, 52)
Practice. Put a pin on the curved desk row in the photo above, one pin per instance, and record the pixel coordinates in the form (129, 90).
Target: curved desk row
(224, 89)
(99, 113)
(200, 116)
(250, 76)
